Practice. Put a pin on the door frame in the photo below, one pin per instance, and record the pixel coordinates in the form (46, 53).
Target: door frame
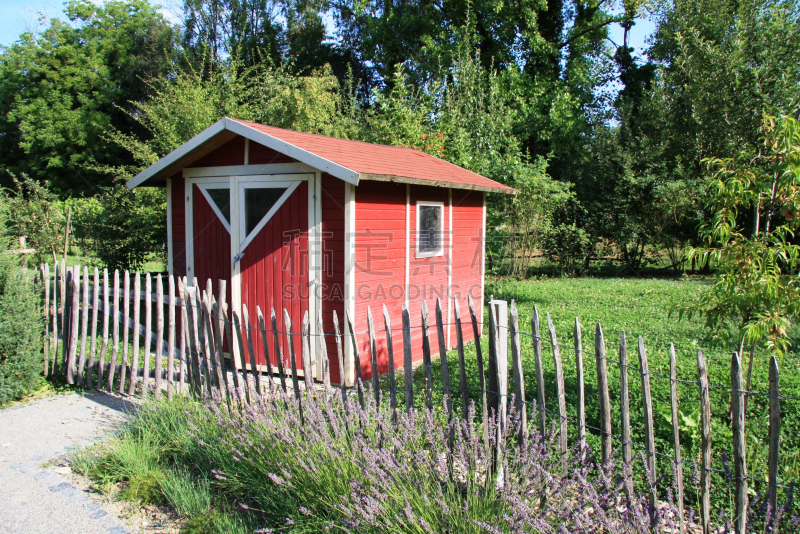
(235, 177)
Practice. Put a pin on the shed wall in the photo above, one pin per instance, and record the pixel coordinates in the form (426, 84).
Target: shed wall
(332, 264)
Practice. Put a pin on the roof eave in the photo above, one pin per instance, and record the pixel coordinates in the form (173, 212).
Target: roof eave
(205, 142)
(436, 183)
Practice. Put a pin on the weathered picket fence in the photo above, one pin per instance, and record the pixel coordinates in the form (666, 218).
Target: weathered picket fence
(198, 326)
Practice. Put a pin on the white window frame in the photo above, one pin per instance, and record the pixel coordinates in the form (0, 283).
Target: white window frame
(440, 251)
(243, 235)
(204, 187)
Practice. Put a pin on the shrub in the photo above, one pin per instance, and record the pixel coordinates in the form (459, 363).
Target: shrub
(20, 333)
(324, 469)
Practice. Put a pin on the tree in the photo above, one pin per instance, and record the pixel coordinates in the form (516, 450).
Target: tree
(755, 296)
(65, 88)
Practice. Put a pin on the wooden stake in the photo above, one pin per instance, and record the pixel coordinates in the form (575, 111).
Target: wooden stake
(305, 336)
(159, 334)
(376, 390)
(84, 324)
(114, 330)
(356, 359)
(426, 357)
(237, 324)
(649, 434)
(462, 371)
(323, 356)
(625, 412)
(443, 360)
(73, 326)
(407, 365)
(251, 350)
(774, 437)
(536, 334)
(148, 327)
(171, 336)
(340, 355)
(705, 455)
(93, 334)
(134, 370)
(263, 329)
(278, 354)
(390, 353)
(739, 451)
(519, 377)
(287, 324)
(481, 376)
(602, 390)
(676, 435)
(560, 391)
(581, 390)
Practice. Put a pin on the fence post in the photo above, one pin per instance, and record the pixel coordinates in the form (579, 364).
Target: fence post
(625, 411)
(356, 359)
(251, 350)
(373, 358)
(54, 348)
(500, 310)
(237, 324)
(264, 342)
(650, 444)
(84, 323)
(148, 327)
(739, 451)
(536, 334)
(390, 354)
(171, 336)
(305, 338)
(481, 376)
(562, 399)
(676, 435)
(443, 360)
(114, 335)
(519, 377)
(137, 302)
(774, 437)
(106, 317)
(278, 353)
(287, 324)
(705, 462)
(407, 366)
(159, 334)
(323, 356)
(426, 356)
(46, 344)
(74, 324)
(340, 355)
(461, 362)
(602, 390)
(580, 390)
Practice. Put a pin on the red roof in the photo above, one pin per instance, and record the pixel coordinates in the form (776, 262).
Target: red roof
(383, 162)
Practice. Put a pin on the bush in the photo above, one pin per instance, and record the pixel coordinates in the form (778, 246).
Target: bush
(273, 466)
(20, 333)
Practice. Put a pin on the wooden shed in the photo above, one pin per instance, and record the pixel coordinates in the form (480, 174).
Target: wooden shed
(307, 222)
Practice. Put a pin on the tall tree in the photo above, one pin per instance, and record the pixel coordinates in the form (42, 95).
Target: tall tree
(65, 88)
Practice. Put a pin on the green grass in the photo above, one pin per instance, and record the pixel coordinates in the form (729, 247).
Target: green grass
(640, 307)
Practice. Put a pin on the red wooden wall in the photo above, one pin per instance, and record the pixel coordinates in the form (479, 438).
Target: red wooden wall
(332, 263)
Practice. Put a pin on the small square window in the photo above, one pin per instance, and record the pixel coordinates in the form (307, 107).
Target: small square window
(430, 229)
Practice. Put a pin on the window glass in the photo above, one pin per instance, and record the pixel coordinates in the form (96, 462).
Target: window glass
(429, 233)
(257, 202)
(222, 198)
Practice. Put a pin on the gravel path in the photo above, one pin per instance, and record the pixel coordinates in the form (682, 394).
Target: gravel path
(35, 499)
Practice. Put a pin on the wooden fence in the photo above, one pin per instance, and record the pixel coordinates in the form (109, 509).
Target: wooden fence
(198, 326)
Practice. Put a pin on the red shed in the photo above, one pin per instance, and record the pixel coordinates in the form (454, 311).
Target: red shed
(307, 222)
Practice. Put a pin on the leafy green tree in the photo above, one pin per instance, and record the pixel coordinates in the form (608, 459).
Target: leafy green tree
(64, 88)
(751, 241)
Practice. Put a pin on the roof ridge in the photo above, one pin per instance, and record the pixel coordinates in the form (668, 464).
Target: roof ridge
(241, 121)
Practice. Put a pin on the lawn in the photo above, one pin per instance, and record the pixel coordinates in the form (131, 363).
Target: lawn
(641, 307)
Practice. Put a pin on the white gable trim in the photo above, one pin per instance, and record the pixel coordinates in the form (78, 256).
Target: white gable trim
(301, 155)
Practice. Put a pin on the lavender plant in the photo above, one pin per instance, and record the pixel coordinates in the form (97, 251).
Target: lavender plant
(363, 469)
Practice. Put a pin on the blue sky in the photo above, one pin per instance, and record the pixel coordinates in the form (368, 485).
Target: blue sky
(17, 16)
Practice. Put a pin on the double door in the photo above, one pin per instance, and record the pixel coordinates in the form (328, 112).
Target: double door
(254, 232)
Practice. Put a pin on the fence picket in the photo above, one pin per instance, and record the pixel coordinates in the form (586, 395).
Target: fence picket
(237, 324)
(210, 345)
(560, 391)
(536, 333)
(426, 357)
(373, 358)
(63, 300)
(499, 320)
(390, 354)
(676, 435)
(481, 376)
(114, 334)
(46, 346)
(625, 412)
(287, 324)
(137, 290)
(323, 356)
(84, 323)
(705, 434)
(104, 344)
(356, 358)
(170, 335)
(93, 332)
(251, 351)
(73, 326)
(278, 354)
(580, 390)
(228, 329)
(148, 327)
(407, 366)
(492, 387)
(340, 354)
(739, 450)
(54, 347)
(443, 359)
(184, 293)
(462, 371)
(203, 342)
(519, 377)
(219, 333)
(602, 390)
(305, 340)
(185, 366)
(159, 334)
(774, 437)
(649, 431)
(262, 327)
